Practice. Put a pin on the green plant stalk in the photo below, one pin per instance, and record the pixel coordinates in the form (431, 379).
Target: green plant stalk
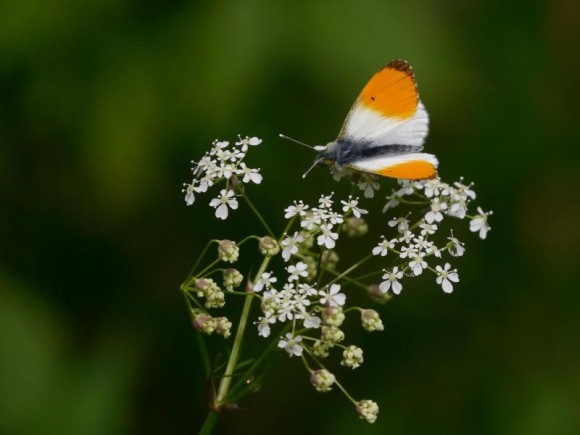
(230, 368)
(209, 423)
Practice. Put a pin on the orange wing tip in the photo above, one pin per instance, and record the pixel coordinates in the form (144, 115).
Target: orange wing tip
(412, 170)
(392, 91)
(401, 65)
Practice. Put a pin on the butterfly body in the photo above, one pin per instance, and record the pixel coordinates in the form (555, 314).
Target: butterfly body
(385, 129)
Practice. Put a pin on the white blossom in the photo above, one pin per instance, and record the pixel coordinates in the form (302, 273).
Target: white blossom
(327, 238)
(290, 245)
(417, 264)
(225, 199)
(291, 344)
(264, 325)
(332, 296)
(189, 196)
(299, 208)
(265, 281)
(401, 223)
(297, 271)
(351, 205)
(383, 247)
(435, 214)
(249, 174)
(368, 185)
(479, 223)
(392, 281)
(445, 276)
(309, 321)
(456, 248)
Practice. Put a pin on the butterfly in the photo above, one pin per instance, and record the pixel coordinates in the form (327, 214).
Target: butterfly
(385, 129)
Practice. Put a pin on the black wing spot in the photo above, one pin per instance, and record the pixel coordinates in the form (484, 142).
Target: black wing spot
(373, 98)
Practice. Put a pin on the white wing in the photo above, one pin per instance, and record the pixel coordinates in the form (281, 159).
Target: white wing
(369, 126)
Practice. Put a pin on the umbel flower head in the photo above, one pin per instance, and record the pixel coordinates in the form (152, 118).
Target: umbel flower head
(223, 163)
(302, 285)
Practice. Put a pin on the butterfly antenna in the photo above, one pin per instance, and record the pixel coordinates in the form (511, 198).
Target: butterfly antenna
(316, 162)
(283, 136)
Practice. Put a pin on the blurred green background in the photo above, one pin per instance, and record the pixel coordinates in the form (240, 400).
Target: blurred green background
(103, 103)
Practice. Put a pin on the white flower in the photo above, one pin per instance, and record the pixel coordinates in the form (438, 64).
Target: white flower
(417, 264)
(327, 238)
(249, 174)
(226, 198)
(427, 228)
(401, 223)
(445, 276)
(458, 209)
(299, 208)
(368, 184)
(291, 344)
(296, 271)
(464, 190)
(456, 247)
(264, 325)
(335, 218)
(290, 244)
(351, 205)
(310, 321)
(265, 281)
(435, 215)
(408, 252)
(325, 201)
(253, 141)
(432, 187)
(307, 290)
(332, 297)
(479, 223)
(189, 196)
(391, 281)
(383, 247)
(391, 203)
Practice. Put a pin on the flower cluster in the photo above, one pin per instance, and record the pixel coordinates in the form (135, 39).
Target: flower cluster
(414, 244)
(223, 162)
(303, 295)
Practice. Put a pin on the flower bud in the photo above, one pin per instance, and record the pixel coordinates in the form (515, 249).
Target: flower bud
(332, 334)
(307, 239)
(268, 246)
(355, 227)
(329, 259)
(371, 321)
(352, 357)
(204, 324)
(320, 349)
(232, 279)
(332, 316)
(322, 380)
(223, 326)
(215, 299)
(204, 286)
(228, 251)
(377, 295)
(235, 183)
(311, 267)
(367, 410)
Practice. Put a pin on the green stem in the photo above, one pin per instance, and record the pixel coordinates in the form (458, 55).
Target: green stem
(209, 423)
(237, 387)
(232, 361)
(258, 215)
(199, 258)
(350, 269)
